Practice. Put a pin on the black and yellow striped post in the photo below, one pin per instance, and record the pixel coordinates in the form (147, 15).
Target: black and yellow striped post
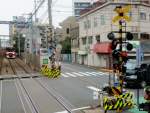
(121, 18)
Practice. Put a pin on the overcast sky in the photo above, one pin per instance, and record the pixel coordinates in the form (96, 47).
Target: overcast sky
(10, 8)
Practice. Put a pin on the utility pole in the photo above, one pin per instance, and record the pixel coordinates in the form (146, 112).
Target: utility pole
(50, 12)
(50, 36)
(35, 5)
(19, 36)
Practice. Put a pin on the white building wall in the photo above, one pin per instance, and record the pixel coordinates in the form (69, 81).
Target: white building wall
(136, 25)
(145, 24)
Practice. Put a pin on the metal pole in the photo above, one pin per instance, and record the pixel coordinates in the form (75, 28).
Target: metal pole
(50, 12)
(19, 44)
(0, 43)
(35, 5)
(138, 95)
(50, 20)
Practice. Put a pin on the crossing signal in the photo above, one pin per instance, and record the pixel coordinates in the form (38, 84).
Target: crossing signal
(122, 11)
(111, 36)
(114, 42)
(129, 36)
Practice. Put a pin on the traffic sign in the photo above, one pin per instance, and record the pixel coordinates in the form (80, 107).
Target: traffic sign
(121, 11)
(139, 55)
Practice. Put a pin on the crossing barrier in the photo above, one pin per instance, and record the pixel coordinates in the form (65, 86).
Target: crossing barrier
(118, 102)
(51, 73)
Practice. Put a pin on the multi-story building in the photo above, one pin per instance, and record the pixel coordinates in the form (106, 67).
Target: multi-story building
(66, 25)
(70, 29)
(79, 5)
(96, 23)
(74, 34)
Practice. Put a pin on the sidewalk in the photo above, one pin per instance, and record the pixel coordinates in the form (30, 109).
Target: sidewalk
(97, 110)
(96, 68)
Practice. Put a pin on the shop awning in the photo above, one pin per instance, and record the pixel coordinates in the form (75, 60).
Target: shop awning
(103, 47)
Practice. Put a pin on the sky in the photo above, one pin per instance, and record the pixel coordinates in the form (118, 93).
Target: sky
(61, 9)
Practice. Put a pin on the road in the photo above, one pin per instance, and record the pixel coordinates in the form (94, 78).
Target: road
(73, 91)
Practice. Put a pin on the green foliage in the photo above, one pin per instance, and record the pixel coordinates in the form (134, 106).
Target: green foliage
(66, 46)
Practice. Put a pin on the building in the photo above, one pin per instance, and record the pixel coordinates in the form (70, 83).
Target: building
(79, 5)
(66, 25)
(70, 29)
(58, 34)
(74, 34)
(96, 23)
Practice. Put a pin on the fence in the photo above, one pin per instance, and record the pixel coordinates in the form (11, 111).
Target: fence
(66, 57)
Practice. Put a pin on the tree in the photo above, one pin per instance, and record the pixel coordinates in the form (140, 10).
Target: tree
(66, 46)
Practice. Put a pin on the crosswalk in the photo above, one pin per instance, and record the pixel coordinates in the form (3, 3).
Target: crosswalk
(82, 74)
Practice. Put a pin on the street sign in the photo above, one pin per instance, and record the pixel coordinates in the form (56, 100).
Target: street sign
(122, 11)
(139, 55)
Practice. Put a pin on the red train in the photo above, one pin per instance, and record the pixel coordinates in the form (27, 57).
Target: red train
(10, 53)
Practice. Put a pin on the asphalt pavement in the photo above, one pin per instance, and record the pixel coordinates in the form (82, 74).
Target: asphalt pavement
(74, 91)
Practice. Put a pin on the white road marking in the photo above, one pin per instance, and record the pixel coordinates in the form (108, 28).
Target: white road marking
(99, 73)
(72, 75)
(84, 74)
(1, 97)
(76, 109)
(77, 74)
(91, 73)
(93, 88)
(81, 108)
(64, 75)
(62, 112)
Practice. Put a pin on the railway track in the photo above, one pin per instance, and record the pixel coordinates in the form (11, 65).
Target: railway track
(34, 100)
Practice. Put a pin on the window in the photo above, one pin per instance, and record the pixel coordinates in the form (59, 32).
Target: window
(90, 40)
(98, 38)
(143, 16)
(85, 25)
(84, 40)
(102, 20)
(84, 5)
(135, 36)
(67, 30)
(81, 5)
(95, 21)
(130, 14)
(145, 36)
(88, 24)
(77, 11)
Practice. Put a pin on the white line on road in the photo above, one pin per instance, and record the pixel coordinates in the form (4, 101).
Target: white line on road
(62, 112)
(93, 88)
(76, 109)
(72, 75)
(1, 98)
(100, 73)
(64, 75)
(77, 74)
(81, 108)
(91, 73)
(84, 74)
